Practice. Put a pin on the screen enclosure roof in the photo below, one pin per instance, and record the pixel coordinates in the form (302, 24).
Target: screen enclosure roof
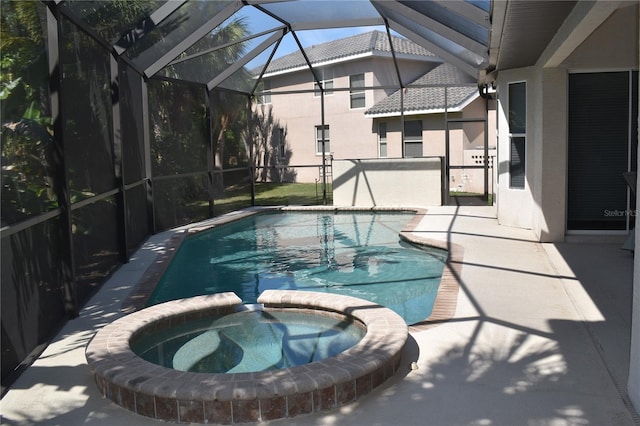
(230, 43)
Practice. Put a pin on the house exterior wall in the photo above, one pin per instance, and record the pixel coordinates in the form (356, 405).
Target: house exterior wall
(351, 134)
(541, 205)
(300, 113)
(515, 205)
(466, 142)
(468, 148)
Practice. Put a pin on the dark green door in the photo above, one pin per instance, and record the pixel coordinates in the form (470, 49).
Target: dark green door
(602, 146)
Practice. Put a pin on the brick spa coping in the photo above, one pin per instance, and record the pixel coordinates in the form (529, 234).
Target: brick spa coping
(171, 395)
(446, 298)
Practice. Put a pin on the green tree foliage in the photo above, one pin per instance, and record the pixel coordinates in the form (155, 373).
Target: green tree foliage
(179, 122)
(26, 131)
(112, 18)
(28, 160)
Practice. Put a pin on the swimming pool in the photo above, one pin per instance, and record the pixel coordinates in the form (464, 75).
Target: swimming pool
(357, 254)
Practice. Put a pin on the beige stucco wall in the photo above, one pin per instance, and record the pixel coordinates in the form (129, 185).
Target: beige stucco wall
(515, 205)
(541, 205)
(415, 182)
(612, 46)
(615, 46)
(300, 113)
(466, 141)
(351, 133)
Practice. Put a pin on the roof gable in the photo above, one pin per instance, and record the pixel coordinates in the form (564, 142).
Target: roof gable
(373, 42)
(417, 100)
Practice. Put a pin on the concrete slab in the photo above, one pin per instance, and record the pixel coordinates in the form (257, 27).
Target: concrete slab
(539, 337)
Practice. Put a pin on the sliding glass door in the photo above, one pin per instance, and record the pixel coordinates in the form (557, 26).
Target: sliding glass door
(603, 144)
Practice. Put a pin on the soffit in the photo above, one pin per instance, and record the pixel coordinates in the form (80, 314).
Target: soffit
(529, 26)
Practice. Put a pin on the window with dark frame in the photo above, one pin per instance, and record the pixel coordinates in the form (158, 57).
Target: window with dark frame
(382, 140)
(413, 138)
(281, 148)
(356, 91)
(517, 134)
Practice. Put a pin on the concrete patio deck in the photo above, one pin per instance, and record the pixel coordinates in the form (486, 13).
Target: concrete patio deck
(540, 337)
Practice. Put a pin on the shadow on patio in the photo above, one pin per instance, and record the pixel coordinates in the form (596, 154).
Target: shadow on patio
(524, 347)
(540, 336)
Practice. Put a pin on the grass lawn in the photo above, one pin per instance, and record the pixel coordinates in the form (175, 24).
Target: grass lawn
(472, 194)
(272, 194)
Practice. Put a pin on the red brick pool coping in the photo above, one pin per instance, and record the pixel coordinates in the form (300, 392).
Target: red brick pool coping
(446, 299)
(162, 393)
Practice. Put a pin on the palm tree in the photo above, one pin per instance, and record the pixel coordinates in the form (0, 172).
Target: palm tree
(226, 108)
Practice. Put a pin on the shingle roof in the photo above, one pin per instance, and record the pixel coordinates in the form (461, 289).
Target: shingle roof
(374, 41)
(424, 99)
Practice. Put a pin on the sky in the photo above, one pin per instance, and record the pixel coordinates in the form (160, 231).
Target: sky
(258, 22)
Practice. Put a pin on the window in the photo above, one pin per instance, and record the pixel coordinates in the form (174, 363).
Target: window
(356, 91)
(413, 138)
(382, 140)
(265, 96)
(281, 147)
(319, 139)
(517, 134)
(326, 79)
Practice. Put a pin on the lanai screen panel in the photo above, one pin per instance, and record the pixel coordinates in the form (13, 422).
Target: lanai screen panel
(473, 24)
(227, 49)
(112, 19)
(89, 157)
(28, 163)
(211, 62)
(88, 115)
(315, 14)
(185, 26)
(144, 37)
(179, 153)
(458, 35)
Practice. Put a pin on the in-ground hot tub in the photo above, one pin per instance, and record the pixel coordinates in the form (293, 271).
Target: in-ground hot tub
(169, 394)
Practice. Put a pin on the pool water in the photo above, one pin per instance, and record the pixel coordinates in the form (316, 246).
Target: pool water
(248, 341)
(353, 253)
